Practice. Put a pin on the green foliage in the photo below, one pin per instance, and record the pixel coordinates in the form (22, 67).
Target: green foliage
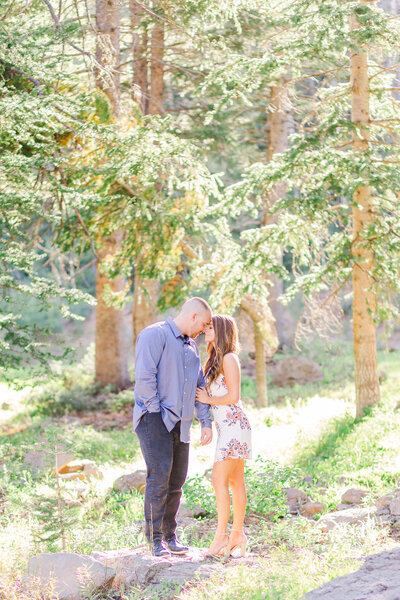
(355, 449)
(56, 401)
(265, 482)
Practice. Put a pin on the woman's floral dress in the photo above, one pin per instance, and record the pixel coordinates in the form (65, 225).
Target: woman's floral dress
(233, 427)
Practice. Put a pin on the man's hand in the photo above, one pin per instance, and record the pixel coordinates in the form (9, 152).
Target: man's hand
(206, 436)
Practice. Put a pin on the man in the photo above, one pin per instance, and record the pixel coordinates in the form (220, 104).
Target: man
(167, 373)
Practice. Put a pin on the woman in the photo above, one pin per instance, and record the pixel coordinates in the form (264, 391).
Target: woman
(222, 392)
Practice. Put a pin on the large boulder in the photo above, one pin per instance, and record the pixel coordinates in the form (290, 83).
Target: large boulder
(138, 568)
(354, 496)
(349, 516)
(66, 576)
(384, 501)
(309, 509)
(296, 369)
(131, 481)
(377, 579)
(394, 507)
(295, 499)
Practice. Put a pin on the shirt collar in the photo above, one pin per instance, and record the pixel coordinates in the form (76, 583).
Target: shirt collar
(175, 329)
(177, 332)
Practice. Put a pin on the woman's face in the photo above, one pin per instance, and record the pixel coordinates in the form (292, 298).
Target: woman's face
(209, 333)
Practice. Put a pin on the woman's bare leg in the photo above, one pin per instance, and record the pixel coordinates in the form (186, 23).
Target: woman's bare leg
(239, 499)
(221, 475)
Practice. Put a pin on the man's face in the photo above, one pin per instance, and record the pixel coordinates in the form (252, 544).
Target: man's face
(199, 323)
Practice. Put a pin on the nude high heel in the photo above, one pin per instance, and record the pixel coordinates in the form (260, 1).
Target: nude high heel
(220, 548)
(242, 544)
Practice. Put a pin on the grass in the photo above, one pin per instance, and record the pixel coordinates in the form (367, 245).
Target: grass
(290, 555)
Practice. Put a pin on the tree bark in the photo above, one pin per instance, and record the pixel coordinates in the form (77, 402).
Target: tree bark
(111, 367)
(277, 142)
(156, 99)
(364, 299)
(108, 51)
(145, 304)
(147, 291)
(261, 372)
(140, 61)
(265, 336)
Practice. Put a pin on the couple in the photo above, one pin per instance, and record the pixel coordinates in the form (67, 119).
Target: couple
(169, 388)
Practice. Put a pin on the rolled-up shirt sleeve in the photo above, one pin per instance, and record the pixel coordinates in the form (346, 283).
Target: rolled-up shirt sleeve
(202, 410)
(149, 347)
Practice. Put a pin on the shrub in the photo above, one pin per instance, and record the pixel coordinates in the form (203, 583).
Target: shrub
(54, 400)
(264, 482)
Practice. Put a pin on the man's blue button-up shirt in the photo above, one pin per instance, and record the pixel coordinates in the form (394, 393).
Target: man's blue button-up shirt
(167, 373)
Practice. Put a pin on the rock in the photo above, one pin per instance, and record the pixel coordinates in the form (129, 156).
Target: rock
(295, 494)
(354, 496)
(92, 470)
(295, 499)
(382, 511)
(66, 576)
(132, 481)
(80, 469)
(38, 460)
(384, 501)
(296, 369)
(394, 506)
(71, 476)
(308, 479)
(342, 506)
(193, 512)
(74, 466)
(188, 523)
(138, 568)
(62, 460)
(350, 516)
(377, 579)
(309, 509)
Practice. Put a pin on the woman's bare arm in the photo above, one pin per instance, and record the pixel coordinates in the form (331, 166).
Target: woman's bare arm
(231, 371)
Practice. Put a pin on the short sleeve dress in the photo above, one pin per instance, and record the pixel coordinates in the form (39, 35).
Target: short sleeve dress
(233, 427)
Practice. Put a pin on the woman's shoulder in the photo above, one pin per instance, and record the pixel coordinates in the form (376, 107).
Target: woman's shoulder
(231, 359)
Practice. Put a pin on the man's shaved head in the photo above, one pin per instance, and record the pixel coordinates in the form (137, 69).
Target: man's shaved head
(194, 317)
(196, 305)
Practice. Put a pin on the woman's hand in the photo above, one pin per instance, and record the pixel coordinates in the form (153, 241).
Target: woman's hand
(202, 396)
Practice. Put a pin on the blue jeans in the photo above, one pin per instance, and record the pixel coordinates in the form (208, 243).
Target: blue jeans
(166, 459)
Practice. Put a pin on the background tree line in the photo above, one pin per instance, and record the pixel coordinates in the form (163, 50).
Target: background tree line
(247, 151)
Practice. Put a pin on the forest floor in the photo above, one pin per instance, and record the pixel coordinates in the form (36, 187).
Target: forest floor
(306, 430)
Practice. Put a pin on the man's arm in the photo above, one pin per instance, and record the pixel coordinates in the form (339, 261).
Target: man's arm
(203, 414)
(149, 348)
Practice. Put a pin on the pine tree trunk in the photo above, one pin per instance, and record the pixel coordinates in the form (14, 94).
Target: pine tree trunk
(261, 372)
(140, 61)
(147, 291)
(364, 300)
(145, 304)
(107, 50)
(111, 353)
(277, 142)
(156, 99)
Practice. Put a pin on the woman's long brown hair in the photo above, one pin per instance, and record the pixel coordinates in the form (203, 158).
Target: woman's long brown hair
(226, 340)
